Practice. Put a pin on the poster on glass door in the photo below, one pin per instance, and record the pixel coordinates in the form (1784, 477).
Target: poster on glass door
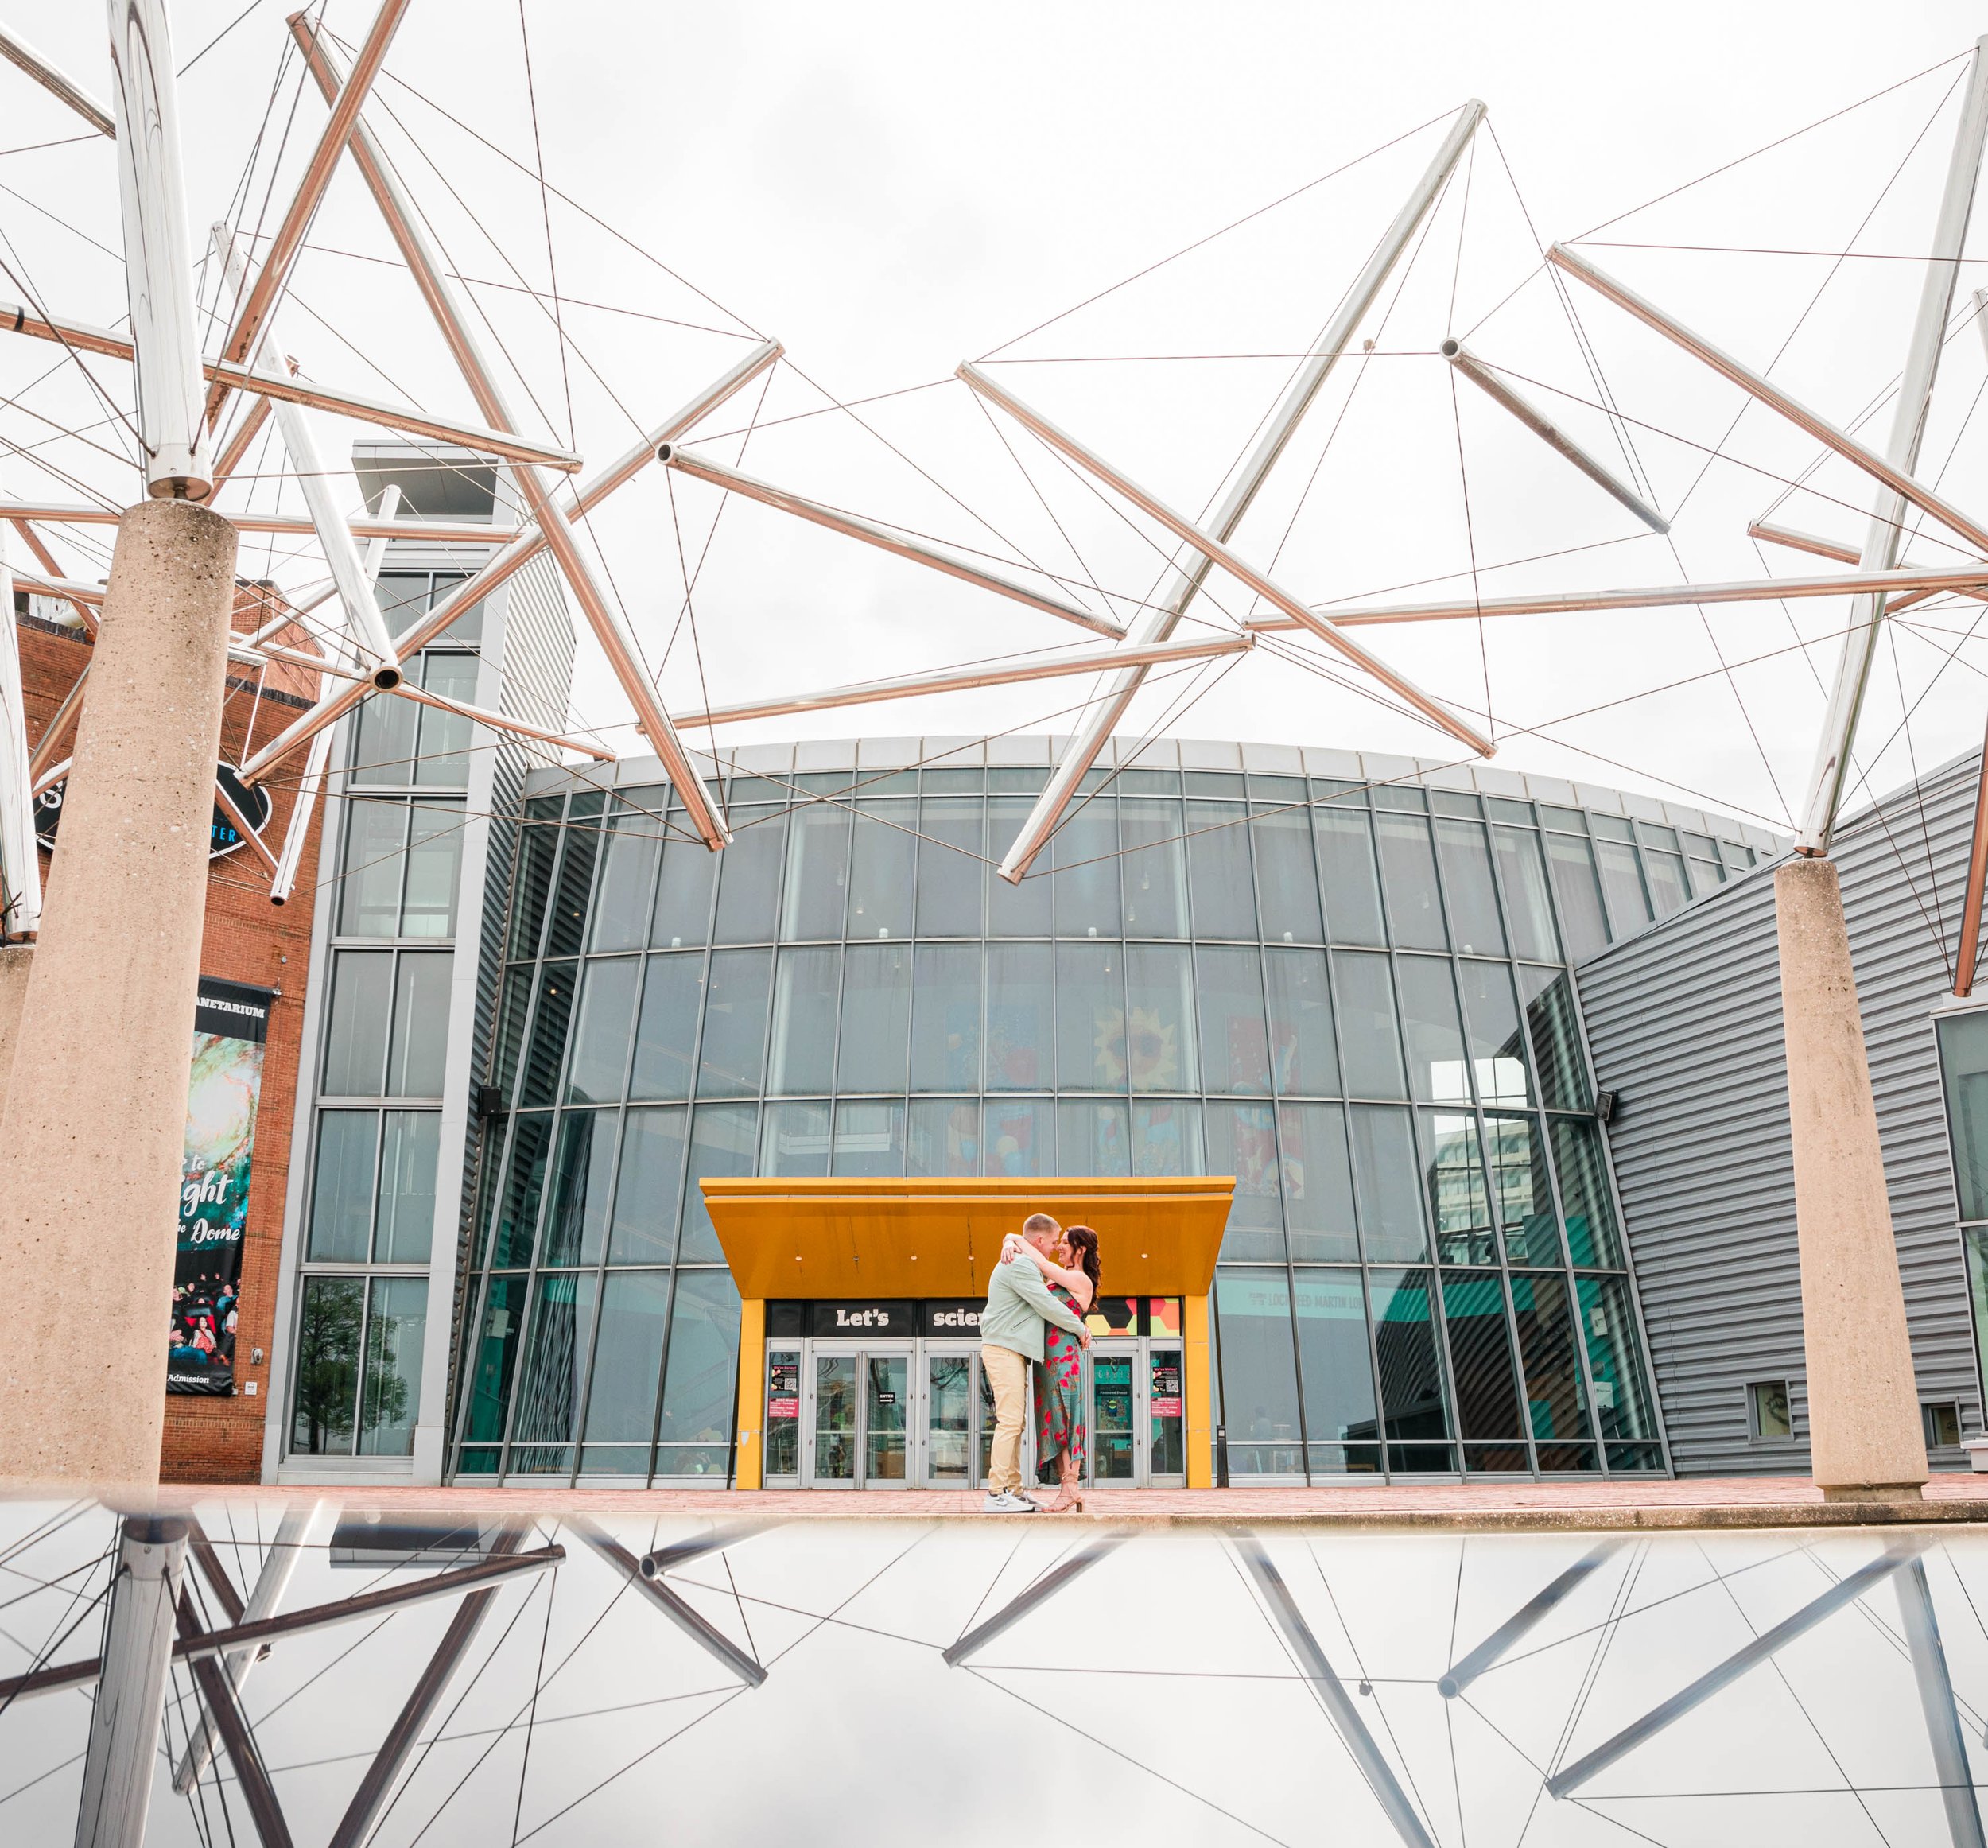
(230, 1027)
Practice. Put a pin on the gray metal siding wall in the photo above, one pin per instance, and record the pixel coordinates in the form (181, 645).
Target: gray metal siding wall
(1685, 1023)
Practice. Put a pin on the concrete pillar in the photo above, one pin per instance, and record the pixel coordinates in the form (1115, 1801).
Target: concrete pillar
(1865, 1434)
(16, 960)
(95, 1122)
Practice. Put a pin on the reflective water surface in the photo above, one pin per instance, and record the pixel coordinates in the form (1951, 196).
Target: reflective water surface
(613, 1678)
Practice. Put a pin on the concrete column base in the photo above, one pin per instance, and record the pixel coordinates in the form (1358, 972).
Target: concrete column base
(1866, 1439)
(89, 1149)
(16, 960)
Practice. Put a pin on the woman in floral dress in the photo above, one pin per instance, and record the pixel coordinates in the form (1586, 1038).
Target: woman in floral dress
(1060, 1432)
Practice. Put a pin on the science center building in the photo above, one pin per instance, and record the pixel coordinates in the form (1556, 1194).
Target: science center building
(528, 1040)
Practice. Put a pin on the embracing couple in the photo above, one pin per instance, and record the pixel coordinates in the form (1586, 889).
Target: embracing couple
(1036, 1299)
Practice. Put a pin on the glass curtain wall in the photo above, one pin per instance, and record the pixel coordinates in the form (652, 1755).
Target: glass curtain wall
(370, 1217)
(1354, 1001)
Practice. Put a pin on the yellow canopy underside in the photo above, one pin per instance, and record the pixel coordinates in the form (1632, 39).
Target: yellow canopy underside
(831, 1239)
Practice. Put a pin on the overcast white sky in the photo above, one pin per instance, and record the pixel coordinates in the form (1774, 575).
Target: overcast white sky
(891, 189)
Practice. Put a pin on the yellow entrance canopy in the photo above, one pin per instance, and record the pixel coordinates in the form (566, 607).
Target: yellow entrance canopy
(854, 1237)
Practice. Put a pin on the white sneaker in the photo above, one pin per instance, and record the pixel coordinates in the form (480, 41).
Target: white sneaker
(1007, 1504)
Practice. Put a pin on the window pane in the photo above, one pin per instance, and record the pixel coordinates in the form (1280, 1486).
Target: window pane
(1369, 1043)
(1020, 1008)
(1338, 1368)
(396, 1326)
(876, 1017)
(650, 1184)
(1571, 862)
(945, 1137)
(817, 874)
(945, 1018)
(577, 1224)
(882, 856)
(1166, 1139)
(621, 1403)
(806, 990)
(1287, 880)
(795, 1139)
(1302, 1061)
(383, 742)
(1159, 1039)
(1259, 1374)
(491, 1358)
(601, 1042)
(1218, 870)
(1318, 1179)
(1434, 1034)
(1481, 1354)
(1622, 886)
(1591, 1231)
(1557, 1407)
(1242, 1141)
(667, 1029)
(734, 1023)
(323, 1409)
(434, 866)
(1459, 1203)
(406, 1223)
(949, 870)
(524, 1187)
(1386, 1181)
(556, 1360)
(341, 1189)
(417, 1053)
(1023, 910)
(1155, 866)
(1625, 1407)
(1497, 1054)
(702, 1369)
(1093, 1136)
(1963, 1062)
(537, 849)
(1667, 888)
(1411, 1362)
(627, 881)
(1464, 854)
(1527, 906)
(1345, 840)
(356, 1039)
(723, 1137)
(683, 896)
(574, 887)
(869, 1138)
(1085, 854)
(375, 835)
(749, 877)
(1520, 1193)
(442, 757)
(1090, 1017)
(1235, 1042)
(1409, 876)
(541, 1084)
(512, 1011)
(1554, 1030)
(1020, 1136)
(402, 596)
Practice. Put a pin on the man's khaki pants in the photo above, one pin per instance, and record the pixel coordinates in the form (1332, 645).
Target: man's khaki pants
(1008, 1374)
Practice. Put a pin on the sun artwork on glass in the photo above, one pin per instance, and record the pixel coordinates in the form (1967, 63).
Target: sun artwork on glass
(1148, 1049)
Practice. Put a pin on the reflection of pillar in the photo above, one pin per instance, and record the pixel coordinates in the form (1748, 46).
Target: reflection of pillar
(1201, 1399)
(751, 1415)
(89, 1149)
(1863, 1402)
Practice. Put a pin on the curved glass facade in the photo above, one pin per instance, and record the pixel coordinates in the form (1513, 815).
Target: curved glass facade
(1353, 998)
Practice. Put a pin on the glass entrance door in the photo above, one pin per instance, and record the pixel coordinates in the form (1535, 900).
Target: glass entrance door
(952, 1382)
(885, 1412)
(832, 1427)
(859, 1418)
(1116, 1455)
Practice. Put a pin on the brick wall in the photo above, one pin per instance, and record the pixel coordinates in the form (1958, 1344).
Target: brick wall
(247, 939)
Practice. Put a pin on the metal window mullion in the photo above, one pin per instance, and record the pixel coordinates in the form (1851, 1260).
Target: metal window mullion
(1962, 1223)
(1364, 1270)
(359, 1371)
(586, 1386)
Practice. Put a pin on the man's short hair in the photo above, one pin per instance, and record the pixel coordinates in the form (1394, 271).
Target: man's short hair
(1037, 1223)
